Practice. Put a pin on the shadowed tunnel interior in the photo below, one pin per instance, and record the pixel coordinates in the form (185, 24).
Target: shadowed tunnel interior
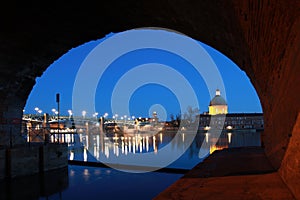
(261, 37)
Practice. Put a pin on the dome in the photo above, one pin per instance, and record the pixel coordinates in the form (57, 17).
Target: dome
(217, 100)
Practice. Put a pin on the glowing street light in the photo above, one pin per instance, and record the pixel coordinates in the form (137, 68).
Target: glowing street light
(105, 115)
(40, 112)
(36, 110)
(115, 117)
(70, 113)
(54, 113)
(83, 113)
(95, 115)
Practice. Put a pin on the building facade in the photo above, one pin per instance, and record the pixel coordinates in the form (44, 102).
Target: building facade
(218, 117)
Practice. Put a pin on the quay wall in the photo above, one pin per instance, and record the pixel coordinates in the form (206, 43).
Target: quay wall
(30, 160)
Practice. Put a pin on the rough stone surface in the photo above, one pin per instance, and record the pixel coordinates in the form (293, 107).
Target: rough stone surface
(28, 160)
(53, 156)
(233, 162)
(239, 173)
(251, 187)
(261, 37)
(23, 161)
(290, 166)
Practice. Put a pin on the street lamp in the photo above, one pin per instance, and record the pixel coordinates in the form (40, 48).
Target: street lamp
(83, 113)
(54, 113)
(125, 117)
(70, 113)
(40, 116)
(105, 114)
(36, 110)
(95, 115)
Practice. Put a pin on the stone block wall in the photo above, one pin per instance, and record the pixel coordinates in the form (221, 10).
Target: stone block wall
(28, 160)
(290, 166)
(22, 161)
(53, 156)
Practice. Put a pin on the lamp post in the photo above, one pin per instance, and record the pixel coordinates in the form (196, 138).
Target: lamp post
(83, 114)
(95, 115)
(57, 101)
(54, 113)
(70, 114)
(36, 110)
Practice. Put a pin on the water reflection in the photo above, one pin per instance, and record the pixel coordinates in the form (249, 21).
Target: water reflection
(51, 183)
(122, 148)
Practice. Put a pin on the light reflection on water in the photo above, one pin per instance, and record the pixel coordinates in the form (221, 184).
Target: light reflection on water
(81, 182)
(124, 149)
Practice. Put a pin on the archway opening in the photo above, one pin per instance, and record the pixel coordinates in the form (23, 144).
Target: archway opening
(153, 103)
(104, 129)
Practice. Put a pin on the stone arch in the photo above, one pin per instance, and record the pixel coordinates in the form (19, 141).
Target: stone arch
(262, 37)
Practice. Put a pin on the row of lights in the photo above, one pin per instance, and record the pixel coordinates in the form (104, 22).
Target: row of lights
(115, 116)
(125, 117)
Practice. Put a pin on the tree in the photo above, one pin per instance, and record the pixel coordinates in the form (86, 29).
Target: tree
(190, 115)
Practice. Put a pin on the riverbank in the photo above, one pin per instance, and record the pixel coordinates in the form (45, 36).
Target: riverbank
(236, 173)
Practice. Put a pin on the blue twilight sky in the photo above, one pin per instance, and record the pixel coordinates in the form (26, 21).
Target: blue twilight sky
(60, 77)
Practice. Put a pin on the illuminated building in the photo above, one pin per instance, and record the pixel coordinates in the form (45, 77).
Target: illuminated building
(218, 105)
(218, 109)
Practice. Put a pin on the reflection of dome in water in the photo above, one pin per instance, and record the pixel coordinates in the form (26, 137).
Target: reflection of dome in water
(218, 105)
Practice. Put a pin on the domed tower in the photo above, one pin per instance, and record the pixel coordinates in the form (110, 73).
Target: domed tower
(218, 105)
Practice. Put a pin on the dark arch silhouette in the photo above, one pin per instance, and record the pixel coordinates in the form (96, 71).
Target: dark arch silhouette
(262, 37)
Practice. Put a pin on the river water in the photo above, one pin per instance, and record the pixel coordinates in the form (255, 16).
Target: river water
(130, 162)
